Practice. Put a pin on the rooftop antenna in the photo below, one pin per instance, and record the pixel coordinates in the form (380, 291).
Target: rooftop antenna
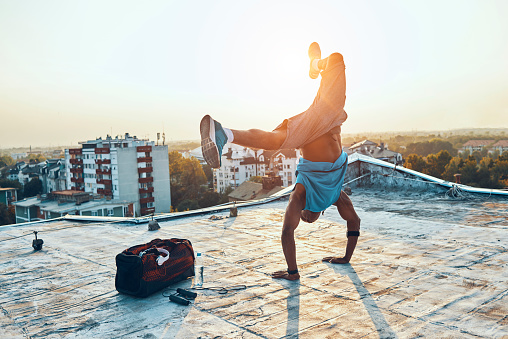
(163, 135)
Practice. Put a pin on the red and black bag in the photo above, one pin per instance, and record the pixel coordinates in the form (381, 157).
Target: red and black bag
(144, 269)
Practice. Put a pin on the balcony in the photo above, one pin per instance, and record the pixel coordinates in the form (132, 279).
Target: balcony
(103, 161)
(77, 170)
(145, 180)
(82, 189)
(103, 171)
(146, 190)
(145, 169)
(149, 210)
(145, 159)
(77, 180)
(104, 191)
(105, 182)
(76, 161)
(144, 149)
(146, 200)
(75, 151)
(102, 150)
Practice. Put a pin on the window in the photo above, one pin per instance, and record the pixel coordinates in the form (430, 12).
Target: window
(94, 213)
(110, 212)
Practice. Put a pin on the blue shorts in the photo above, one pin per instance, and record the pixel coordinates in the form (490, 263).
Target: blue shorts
(322, 181)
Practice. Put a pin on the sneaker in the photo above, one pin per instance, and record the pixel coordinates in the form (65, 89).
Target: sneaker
(213, 140)
(314, 53)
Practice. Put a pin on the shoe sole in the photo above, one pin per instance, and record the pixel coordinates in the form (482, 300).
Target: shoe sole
(208, 146)
(312, 73)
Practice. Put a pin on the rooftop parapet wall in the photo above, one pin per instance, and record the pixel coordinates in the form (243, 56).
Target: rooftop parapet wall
(364, 171)
(372, 176)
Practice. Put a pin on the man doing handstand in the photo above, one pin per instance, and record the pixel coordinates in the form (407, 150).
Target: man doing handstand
(321, 170)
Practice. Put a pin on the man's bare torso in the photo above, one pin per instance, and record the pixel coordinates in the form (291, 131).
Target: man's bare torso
(326, 148)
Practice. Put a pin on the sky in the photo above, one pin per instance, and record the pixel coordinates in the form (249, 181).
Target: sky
(76, 70)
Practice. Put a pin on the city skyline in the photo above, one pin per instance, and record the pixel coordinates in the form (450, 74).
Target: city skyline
(74, 71)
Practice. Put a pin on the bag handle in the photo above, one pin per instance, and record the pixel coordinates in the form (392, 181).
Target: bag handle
(160, 259)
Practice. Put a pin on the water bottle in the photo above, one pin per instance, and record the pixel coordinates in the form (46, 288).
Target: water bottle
(198, 270)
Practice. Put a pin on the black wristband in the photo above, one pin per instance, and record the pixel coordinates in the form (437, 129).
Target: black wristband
(293, 272)
(353, 233)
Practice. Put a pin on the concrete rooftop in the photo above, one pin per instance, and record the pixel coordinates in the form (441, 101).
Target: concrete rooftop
(425, 266)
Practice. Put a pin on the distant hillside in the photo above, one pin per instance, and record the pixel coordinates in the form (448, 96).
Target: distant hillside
(183, 145)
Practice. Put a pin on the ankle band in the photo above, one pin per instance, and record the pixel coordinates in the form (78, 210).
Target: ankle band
(353, 233)
(293, 271)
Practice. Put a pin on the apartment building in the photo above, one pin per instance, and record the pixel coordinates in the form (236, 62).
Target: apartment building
(124, 169)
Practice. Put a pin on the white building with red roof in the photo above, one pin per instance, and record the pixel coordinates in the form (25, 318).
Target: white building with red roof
(501, 146)
(476, 145)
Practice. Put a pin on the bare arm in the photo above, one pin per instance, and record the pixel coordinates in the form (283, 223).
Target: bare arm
(348, 213)
(291, 221)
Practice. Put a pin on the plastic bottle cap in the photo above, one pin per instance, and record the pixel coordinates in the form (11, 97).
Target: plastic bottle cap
(198, 254)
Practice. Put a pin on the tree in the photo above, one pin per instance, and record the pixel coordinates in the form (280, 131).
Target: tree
(36, 158)
(209, 198)
(187, 205)
(478, 156)
(187, 178)
(430, 147)
(452, 168)
(485, 179)
(224, 197)
(415, 162)
(6, 160)
(32, 188)
(469, 172)
(500, 171)
(6, 183)
(256, 178)
(7, 216)
(207, 169)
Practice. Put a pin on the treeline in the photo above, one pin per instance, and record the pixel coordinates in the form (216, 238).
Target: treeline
(479, 169)
(192, 184)
(32, 188)
(424, 145)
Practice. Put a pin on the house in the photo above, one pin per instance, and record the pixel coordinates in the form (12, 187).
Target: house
(252, 191)
(30, 171)
(284, 162)
(17, 156)
(476, 145)
(122, 168)
(364, 146)
(238, 165)
(8, 196)
(371, 149)
(60, 203)
(500, 146)
(53, 176)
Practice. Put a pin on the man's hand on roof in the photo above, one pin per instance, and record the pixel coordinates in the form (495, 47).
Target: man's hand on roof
(285, 275)
(336, 260)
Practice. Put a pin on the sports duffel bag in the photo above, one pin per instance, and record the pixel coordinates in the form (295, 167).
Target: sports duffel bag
(144, 269)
